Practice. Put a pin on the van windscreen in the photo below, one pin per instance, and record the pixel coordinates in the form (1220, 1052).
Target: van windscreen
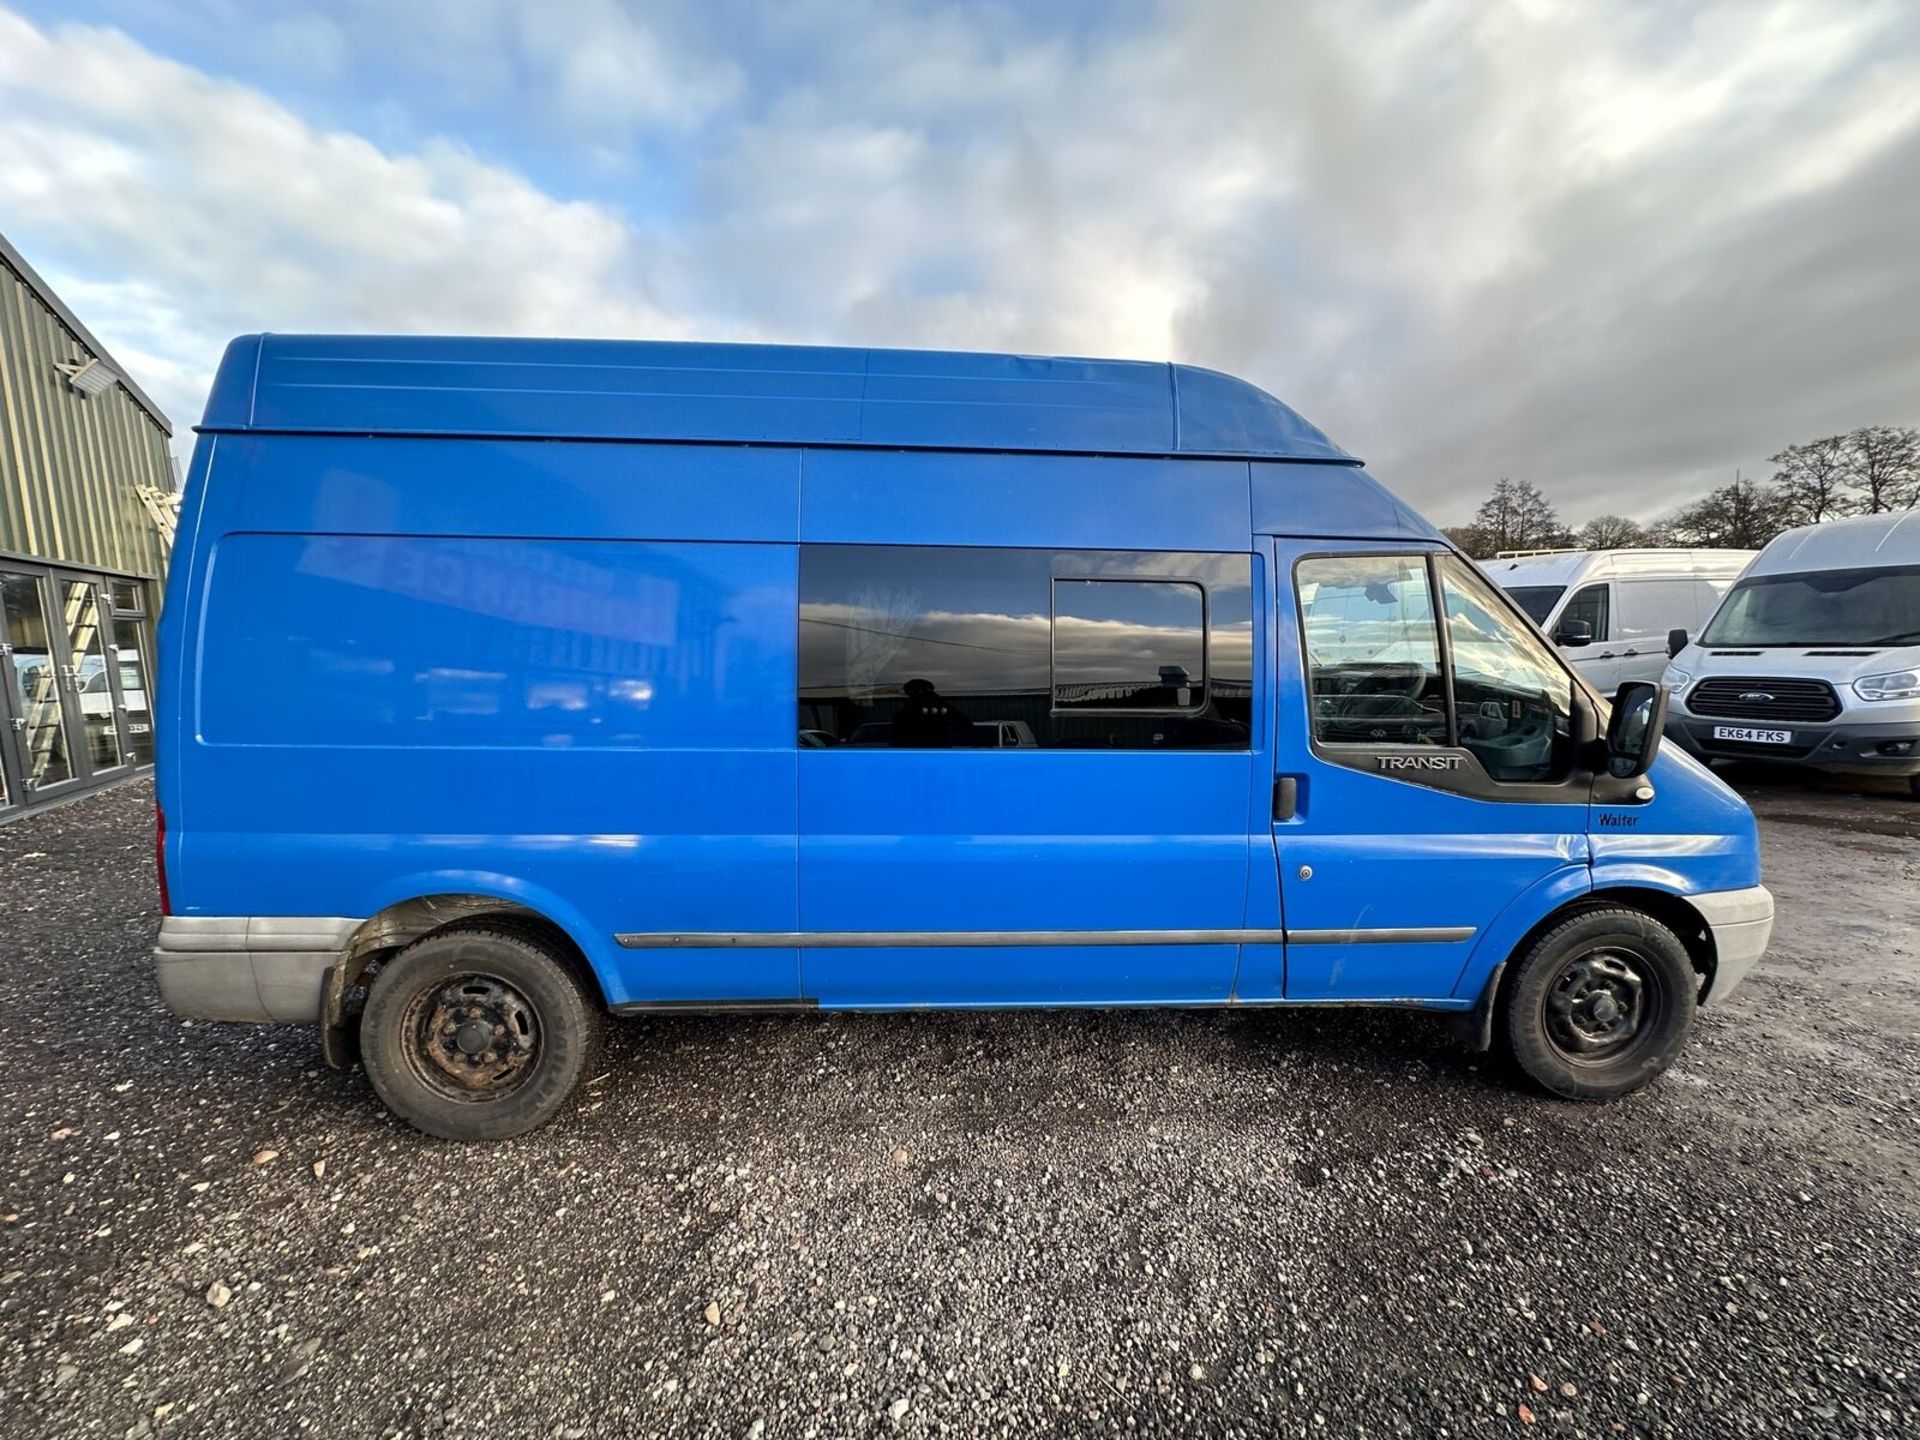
(1537, 600)
(1876, 605)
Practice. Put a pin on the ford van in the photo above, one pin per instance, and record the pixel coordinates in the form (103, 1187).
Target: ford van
(506, 684)
(1813, 659)
(1612, 610)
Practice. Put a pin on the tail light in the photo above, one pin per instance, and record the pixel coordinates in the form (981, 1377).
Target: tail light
(160, 858)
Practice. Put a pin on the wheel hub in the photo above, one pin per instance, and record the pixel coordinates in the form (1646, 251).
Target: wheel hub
(478, 1036)
(1597, 1005)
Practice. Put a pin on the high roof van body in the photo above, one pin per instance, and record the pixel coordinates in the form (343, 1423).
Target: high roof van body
(1814, 657)
(506, 683)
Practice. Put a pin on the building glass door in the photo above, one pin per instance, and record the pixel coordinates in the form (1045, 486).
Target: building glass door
(93, 684)
(33, 701)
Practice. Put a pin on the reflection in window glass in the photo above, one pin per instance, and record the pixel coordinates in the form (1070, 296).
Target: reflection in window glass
(126, 596)
(133, 690)
(925, 647)
(1128, 645)
(1513, 697)
(1373, 651)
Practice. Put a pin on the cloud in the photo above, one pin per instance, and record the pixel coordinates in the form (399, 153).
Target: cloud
(1618, 249)
(220, 211)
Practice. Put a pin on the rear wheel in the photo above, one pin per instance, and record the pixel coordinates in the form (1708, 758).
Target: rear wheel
(1601, 1004)
(478, 1032)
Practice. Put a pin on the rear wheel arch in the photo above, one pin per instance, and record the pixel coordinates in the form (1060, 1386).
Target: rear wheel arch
(391, 930)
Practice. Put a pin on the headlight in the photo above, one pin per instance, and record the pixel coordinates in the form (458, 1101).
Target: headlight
(1900, 685)
(1675, 679)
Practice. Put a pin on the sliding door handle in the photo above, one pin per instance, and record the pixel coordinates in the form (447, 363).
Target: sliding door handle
(1286, 796)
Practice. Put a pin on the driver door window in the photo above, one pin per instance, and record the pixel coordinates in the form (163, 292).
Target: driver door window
(1589, 605)
(1373, 650)
(1382, 670)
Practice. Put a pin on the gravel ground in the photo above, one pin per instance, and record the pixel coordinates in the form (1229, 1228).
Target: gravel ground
(971, 1225)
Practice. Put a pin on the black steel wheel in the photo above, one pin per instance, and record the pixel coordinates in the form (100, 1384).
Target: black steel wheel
(479, 1032)
(1601, 1004)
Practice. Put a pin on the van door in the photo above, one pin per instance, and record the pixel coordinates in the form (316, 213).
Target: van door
(1427, 734)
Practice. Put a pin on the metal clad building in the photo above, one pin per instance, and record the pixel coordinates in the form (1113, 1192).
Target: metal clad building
(81, 549)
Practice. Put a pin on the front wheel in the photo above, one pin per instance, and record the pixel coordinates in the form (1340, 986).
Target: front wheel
(478, 1032)
(1601, 1004)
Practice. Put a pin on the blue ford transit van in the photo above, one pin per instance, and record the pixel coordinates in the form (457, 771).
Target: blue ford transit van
(507, 683)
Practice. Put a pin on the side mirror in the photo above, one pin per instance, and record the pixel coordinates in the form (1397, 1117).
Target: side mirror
(1676, 642)
(1633, 732)
(1573, 633)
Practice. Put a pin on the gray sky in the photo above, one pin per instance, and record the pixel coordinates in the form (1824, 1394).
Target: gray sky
(1617, 249)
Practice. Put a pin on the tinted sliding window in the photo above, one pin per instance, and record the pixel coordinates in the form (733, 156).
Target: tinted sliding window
(931, 647)
(1129, 645)
(1378, 671)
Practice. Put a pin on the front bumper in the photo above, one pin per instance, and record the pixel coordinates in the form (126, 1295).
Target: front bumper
(1885, 749)
(265, 968)
(1742, 924)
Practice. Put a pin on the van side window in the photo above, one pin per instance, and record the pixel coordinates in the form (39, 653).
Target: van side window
(1129, 645)
(933, 647)
(1513, 698)
(1589, 604)
(1373, 650)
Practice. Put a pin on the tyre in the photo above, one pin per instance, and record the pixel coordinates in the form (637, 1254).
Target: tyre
(1601, 1004)
(479, 1032)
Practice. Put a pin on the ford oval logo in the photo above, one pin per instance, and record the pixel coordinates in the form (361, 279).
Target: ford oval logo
(1755, 695)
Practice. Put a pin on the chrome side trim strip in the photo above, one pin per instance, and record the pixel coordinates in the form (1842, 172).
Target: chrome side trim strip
(1427, 935)
(953, 939)
(877, 939)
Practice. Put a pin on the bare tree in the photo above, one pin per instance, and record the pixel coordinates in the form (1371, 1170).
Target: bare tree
(1471, 539)
(1883, 465)
(1612, 532)
(1811, 480)
(1518, 517)
(1740, 516)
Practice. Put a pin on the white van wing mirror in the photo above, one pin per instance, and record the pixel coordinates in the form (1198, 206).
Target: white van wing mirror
(1572, 634)
(1676, 642)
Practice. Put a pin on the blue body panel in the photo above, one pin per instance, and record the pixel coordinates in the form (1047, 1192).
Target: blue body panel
(518, 618)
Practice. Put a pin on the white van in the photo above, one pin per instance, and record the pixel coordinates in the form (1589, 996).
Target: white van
(1611, 610)
(1814, 657)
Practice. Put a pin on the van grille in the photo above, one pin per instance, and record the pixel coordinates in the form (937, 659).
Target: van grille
(1784, 699)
